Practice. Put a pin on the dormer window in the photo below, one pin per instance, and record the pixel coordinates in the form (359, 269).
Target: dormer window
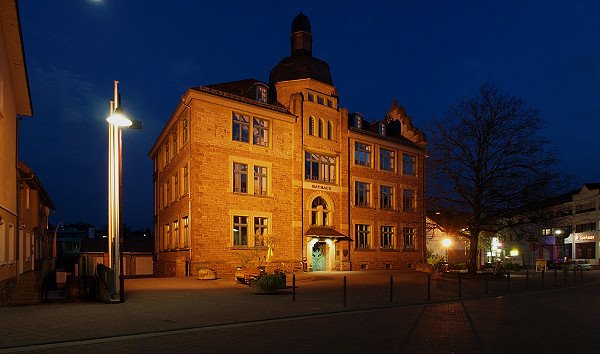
(381, 128)
(311, 97)
(261, 93)
(358, 121)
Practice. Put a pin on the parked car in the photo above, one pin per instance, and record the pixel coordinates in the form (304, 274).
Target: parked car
(577, 265)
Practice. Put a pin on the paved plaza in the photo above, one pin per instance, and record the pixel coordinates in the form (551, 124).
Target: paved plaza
(558, 315)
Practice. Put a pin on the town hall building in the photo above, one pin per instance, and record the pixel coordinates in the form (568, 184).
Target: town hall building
(250, 173)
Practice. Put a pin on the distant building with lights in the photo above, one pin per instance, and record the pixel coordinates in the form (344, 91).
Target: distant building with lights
(249, 173)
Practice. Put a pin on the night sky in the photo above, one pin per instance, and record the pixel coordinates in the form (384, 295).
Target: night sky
(425, 55)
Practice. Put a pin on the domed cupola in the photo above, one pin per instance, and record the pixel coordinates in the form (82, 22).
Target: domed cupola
(301, 64)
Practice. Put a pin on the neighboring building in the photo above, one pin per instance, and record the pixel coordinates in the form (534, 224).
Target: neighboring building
(248, 173)
(441, 227)
(35, 245)
(14, 103)
(562, 227)
(137, 256)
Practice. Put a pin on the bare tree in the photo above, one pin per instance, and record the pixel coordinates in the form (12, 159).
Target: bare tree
(487, 160)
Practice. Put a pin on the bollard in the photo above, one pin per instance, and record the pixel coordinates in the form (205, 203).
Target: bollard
(543, 272)
(293, 287)
(527, 279)
(428, 287)
(507, 281)
(485, 280)
(459, 286)
(391, 289)
(344, 291)
(555, 278)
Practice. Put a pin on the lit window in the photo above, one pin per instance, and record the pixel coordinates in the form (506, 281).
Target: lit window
(319, 168)
(240, 178)
(386, 197)
(240, 230)
(386, 160)
(363, 234)
(547, 232)
(241, 128)
(408, 200)
(260, 132)
(408, 236)
(362, 154)
(362, 195)
(320, 214)
(408, 165)
(260, 230)
(260, 180)
(311, 126)
(387, 237)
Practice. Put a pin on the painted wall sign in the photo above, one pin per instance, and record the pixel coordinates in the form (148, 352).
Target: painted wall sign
(586, 237)
(320, 187)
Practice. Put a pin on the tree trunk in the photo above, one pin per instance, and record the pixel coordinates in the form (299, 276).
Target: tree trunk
(473, 259)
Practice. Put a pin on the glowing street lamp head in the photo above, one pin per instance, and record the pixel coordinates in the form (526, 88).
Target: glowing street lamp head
(119, 119)
(446, 242)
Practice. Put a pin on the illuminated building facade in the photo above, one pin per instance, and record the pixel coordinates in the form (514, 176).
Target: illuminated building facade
(249, 173)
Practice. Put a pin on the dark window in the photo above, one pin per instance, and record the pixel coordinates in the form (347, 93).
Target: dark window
(319, 168)
(240, 178)
(408, 200)
(363, 233)
(320, 100)
(260, 180)
(241, 128)
(329, 130)
(408, 236)
(362, 154)
(387, 237)
(260, 131)
(240, 230)
(387, 160)
(260, 230)
(311, 97)
(386, 197)
(408, 165)
(320, 128)
(362, 196)
(311, 126)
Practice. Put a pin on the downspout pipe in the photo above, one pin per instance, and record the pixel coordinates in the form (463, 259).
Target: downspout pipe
(349, 197)
(18, 191)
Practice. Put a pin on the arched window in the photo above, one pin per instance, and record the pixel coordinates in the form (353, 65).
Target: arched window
(320, 214)
(311, 126)
(329, 130)
(320, 128)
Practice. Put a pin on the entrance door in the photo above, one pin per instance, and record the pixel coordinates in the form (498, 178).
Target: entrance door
(318, 257)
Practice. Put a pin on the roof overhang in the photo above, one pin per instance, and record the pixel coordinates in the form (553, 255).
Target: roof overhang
(324, 232)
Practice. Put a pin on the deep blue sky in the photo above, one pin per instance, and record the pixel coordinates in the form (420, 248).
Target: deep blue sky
(425, 55)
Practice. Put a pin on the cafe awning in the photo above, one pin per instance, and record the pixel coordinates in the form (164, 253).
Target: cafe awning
(326, 232)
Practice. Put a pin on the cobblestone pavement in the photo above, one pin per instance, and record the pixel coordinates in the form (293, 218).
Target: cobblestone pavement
(188, 315)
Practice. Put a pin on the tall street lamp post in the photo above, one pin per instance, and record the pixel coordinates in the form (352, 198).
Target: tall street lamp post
(117, 120)
(446, 242)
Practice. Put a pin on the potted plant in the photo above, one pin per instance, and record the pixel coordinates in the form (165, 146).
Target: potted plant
(266, 284)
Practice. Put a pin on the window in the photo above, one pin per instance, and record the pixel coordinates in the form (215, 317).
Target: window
(241, 128)
(319, 212)
(329, 130)
(319, 168)
(167, 237)
(358, 120)
(363, 233)
(240, 230)
(186, 231)
(362, 154)
(168, 196)
(320, 128)
(165, 199)
(408, 165)
(167, 156)
(362, 196)
(260, 230)
(547, 232)
(240, 178)
(386, 197)
(387, 237)
(408, 200)
(175, 147)
(408, 236)
(2, 244)
(175, 239)
(186, 183)
(585, 227)
(585, 207)
(386, 160)
(320, 100)
(176, 190)
(27, 198)
(260, 132)
(329, 103)
(184, 131)
(261, 94)
(311, 126)
(381, 128)
(311, 97)
(260, 180)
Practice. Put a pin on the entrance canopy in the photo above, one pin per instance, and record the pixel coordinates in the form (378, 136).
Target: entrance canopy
(326, 232)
